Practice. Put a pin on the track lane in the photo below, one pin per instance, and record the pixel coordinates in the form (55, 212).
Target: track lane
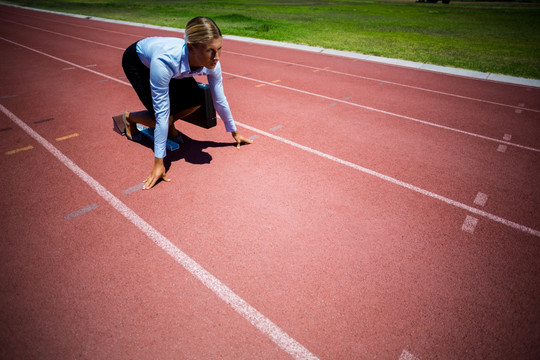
(320, 286)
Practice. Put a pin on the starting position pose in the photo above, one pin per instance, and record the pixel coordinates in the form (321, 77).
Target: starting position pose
(161, 71)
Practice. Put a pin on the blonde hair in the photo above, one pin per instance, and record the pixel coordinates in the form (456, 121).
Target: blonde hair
(200, 30)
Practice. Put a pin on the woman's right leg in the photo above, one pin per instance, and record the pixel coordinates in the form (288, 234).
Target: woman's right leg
(141, 117)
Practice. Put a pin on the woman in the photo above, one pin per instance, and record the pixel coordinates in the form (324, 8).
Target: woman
(161, 71)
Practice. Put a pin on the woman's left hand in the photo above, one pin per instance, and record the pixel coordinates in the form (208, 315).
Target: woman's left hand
(240, 139)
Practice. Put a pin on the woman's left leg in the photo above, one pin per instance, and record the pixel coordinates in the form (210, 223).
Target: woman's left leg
(185, 97)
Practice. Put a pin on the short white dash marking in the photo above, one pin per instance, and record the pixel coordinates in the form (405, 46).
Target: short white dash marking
(405, 355)
(277, 127)
(80, 212)
(133, 189)
(519, 111)
(507, 137)
(469, 224)
(502, 148)
(480, 199)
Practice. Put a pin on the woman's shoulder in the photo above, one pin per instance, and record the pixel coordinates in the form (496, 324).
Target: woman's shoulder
(162, 44)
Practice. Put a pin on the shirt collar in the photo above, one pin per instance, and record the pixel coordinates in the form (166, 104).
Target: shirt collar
(184, 64)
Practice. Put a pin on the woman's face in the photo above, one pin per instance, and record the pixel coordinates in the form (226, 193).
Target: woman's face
(206, 54)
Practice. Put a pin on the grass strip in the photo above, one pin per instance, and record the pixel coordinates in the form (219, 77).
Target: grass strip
(502, 38)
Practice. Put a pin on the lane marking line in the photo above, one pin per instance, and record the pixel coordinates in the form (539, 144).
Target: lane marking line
(304, 92)
(502, 148)
(400, 183)
(276, 81)
(253, 137)
(260, 85)
(344, 162)
(67, 137)
(66, 62)
(469, 224)
(379, 81)
(391, 114)
(11, 152)
(80, 212)
(65, 35)
(248, 312)
(507, 137)
(481, 199)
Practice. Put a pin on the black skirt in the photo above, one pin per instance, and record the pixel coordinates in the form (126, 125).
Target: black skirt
(183, 93)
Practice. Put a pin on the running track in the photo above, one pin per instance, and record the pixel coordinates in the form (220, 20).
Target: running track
(382, 211)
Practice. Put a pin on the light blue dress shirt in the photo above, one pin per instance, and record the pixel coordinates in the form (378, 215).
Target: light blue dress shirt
(167, 58)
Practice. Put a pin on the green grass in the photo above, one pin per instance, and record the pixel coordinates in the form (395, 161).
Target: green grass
(500, 38)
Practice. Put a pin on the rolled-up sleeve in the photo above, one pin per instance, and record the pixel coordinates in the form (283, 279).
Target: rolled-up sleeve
(215, 81)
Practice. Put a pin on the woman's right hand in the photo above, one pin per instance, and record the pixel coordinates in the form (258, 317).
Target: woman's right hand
(158, 172)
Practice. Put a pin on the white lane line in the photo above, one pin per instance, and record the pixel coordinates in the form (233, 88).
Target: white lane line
(66, 62)
(65, 35)
(389, 113)
(73, 24)
(520, 106)
(380, 82)
(265, 325)
(403, 184)
(335, 101)
(333, 158)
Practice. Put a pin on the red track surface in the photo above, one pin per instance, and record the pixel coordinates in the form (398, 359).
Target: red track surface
(344, 224)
